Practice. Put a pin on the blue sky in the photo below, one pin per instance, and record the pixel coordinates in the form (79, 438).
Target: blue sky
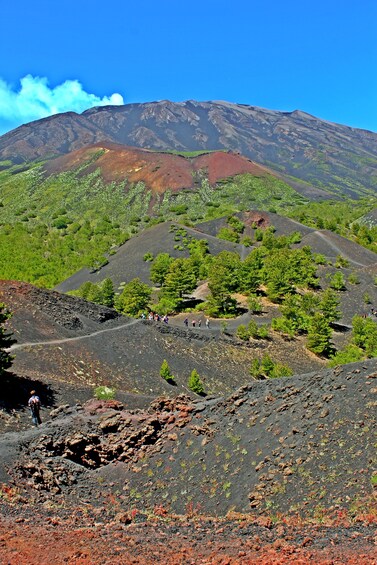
(316, 56)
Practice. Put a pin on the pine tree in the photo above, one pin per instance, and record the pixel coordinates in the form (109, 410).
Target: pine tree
(165, 372)
(194, 382)
(134, 298)
(108, 293)
(319, 334)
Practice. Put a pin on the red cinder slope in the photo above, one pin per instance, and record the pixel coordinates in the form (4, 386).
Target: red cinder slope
(159, 171)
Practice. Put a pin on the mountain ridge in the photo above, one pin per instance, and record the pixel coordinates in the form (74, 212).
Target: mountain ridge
(329, 156)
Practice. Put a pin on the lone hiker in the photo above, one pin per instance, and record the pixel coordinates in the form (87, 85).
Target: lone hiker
(35, 405)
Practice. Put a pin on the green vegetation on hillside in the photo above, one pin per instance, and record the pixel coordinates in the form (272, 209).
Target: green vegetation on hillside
(50, 227)
(343, 217)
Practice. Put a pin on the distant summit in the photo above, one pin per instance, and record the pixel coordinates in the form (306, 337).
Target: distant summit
(301, 148)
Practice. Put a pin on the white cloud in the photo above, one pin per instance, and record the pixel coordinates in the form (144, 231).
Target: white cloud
(35, 99)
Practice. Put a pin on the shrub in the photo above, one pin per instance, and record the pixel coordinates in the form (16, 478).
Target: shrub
(253, 329)
(284, 326)
(320, 259)
(228, 235)
(295, 237)
(242, 332)
(267, 368)
(104, 393)
(258, 234)
(353, 279)
(341, 262)
(349, 354)
(148, 256)
(236, 224)
(179, 209)
(247, 241)
(337, 281)
(60, 223)
(367, 299)
(263, 332)
(280, 370)
(254, 304)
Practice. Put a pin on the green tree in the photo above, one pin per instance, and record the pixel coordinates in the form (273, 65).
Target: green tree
(319, 335)
(364, 335)
(285, 269)
(180, 278)
(224, 273)
(166, 303)
(251, 270)
(228, 235)
(329, 306)
(6, 340)
(160, 268)
(108, 294)
(284, 326)
(267, 368)
(134, 298)
(194, 383)
(165, 372)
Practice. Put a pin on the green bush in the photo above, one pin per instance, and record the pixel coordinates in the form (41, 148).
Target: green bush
(284, 326)
(320, 259)
(228, 235)
(267, 368)
(104, 393)
(366, 298)
(263, 332)
(353, 278)
(253, 329)
(337, 281)
(341, 262)
(350, 354)
(254, 304)
(242, 332)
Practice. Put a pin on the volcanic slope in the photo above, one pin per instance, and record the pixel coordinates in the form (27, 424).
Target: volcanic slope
(128, 262)
(317, 156)
(281, 447)
(61, 339)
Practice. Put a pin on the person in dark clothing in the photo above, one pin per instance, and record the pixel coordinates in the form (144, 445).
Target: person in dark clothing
(35, 406)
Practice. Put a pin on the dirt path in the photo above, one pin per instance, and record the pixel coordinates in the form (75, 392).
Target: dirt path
(76, 338)
(338, 250)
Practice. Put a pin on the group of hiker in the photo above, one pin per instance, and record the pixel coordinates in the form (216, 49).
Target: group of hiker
(155, 317)
(194, 323)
